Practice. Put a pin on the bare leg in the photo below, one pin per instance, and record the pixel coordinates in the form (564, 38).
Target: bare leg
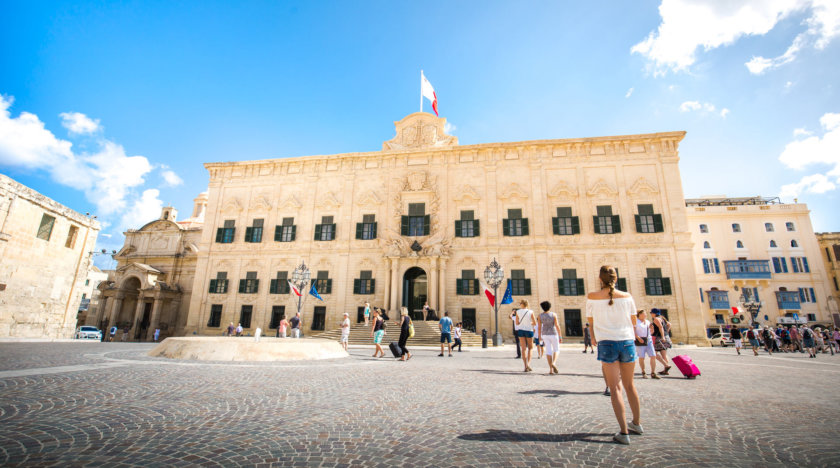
(524, 352)
(626, 369)
(530, 343)
(612, 374)
(652, 365)
(642, 365)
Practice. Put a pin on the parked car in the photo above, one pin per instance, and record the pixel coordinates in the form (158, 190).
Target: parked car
(86, 332)
(722, 339)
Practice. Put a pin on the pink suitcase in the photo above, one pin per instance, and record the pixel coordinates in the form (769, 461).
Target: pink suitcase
(686, 366)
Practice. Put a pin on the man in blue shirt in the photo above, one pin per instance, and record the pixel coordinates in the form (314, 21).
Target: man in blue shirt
(445, 326)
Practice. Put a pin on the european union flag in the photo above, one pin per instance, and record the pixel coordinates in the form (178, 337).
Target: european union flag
(508, 297)
(314, 292)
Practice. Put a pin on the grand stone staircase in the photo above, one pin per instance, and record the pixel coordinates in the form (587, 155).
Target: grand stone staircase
(425, 334)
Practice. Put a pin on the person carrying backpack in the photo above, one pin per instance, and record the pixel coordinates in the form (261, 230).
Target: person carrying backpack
(808, 342)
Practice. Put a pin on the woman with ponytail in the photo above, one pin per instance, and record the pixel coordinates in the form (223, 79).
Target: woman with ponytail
(610, 314)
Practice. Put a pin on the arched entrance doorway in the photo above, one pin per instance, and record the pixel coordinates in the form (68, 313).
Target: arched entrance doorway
(415, 292)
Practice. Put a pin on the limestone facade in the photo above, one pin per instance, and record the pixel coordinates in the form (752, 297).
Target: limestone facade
(830, 245)
(44, 257)
(418, 220)
(760, 247)
(153, 280)
(90, 300)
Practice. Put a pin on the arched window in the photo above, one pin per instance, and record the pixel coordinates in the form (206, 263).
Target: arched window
(790, 226)
(769, 227)
(793, 243)
(773, 244)
(736, 227)
(739, 245)
(707, 245)
(704, 229)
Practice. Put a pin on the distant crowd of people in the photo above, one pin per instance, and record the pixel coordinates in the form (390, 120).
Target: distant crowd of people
(789, 339)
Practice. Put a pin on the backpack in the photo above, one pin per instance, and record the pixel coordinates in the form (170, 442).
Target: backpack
(750, 334)
(807, 334)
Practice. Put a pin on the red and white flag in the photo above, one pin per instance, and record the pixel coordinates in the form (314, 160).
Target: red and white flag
(734, 311)
(490, 296)
(294, 288)
(427, 91)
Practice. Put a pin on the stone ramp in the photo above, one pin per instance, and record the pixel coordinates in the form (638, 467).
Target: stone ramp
(425, 334)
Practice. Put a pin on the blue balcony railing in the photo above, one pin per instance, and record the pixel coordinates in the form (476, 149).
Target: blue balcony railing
(747, 269)
(718, 299)
(788, 300)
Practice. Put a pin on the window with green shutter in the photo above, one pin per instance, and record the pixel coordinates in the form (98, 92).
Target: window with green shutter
(215, 316)
(364, 284)
(220, 284)
(366, 230)
(249, 285)
(621, 283)
(519, 284)
(225, 234)
(515, 225)
(570, 284)
(253, 233)
(564, 224)
(326, 230)
(46, 227)
(245, 316)
(323, 282)
(647, 221)
(655, 284)
(605, 222)
(278, 312)
(467, 284)
(417, 223)
(280, 283)
(467, 226)
(286, 231)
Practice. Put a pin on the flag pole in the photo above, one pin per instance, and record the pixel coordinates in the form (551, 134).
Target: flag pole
(421, 90)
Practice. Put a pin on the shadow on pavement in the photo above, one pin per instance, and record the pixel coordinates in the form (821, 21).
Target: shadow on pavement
(495, 435)
(557, 393)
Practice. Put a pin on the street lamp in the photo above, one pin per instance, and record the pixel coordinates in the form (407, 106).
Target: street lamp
(300, 278)
(494, 274)
(751, 306)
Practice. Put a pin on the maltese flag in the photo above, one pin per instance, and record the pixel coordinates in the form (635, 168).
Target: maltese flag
(490, 296)
(294, 288)
(428, 91)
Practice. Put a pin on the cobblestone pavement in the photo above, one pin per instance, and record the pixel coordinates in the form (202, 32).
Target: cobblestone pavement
(107, 404)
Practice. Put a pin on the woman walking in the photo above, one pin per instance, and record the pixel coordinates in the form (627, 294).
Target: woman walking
(377, 331)
(405, 329)
(610, 316)
(525, 322)
(587, 340)
(456, 335)
(661, 339)
(550, 335)
(644, 344)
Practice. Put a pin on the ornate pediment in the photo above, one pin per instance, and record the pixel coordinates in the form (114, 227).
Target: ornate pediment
(642, 185)
(602, 188)
(467, 192)
(328, 200)
(291, 202)
(420, 130)
(260, 203)
(232, 206)
(563, 190)
(514, 191)
(417, 181)
(369, 198)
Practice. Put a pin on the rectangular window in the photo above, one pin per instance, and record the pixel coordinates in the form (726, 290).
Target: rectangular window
(711, 266)
(780, 265)
(807, 295)
(215, 316)
(736, 227)
(836, 285)
(605, 222)
(564, 224)
(46, 227)
(326, 230)
(319, 318)
(366, 230)
(570, 284)
(572, 320)
(467, 226)
(647, 221)
(224, 235)
(655, 284)
(620, 283)
(280, 284)
(466, 285)
(87, 282)
(836, 248)
(323, 283)
(364, 284)
(519, 284)
(286, 231)
(220, 284)
(277, 314)
(245, 316)
(249, 285)
(253, 234)
(828, 254)
(515, 225)
(719, 319)
(799, 265)
(790, 227)
(417, 223)
(71, 237)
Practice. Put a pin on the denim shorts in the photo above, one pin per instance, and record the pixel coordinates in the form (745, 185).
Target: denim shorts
(525, 333)
(445, 337)
(611, 351)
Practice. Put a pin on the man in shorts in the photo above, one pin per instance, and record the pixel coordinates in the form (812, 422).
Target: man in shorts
(445, 326)
(295, 323)
(752, 336)
(735, 333)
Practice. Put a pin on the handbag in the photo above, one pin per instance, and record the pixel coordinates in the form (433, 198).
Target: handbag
(644, 339)
(411, 329)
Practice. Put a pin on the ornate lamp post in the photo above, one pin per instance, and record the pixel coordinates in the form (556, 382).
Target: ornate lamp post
(751, 306)
(300, 278)
(494, 274)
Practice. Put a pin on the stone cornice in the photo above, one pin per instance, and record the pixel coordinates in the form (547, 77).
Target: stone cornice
(663, 144)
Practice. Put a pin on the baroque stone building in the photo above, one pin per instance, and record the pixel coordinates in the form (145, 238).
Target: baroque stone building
(44, 257)
(153, 280)
(830, 244)
(421, 219)
(761, 250)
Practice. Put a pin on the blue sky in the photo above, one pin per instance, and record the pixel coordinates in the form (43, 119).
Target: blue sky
(112, 107)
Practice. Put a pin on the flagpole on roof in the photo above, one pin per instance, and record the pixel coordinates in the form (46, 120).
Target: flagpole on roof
(421, 90)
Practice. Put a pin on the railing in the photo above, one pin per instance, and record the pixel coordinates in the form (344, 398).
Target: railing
(788, 300)
(718, 299)
(747, 269)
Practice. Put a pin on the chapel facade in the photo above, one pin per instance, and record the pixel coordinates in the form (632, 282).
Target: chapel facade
(420, 220)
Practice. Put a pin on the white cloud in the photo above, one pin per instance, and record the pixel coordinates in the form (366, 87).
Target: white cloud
(78, 123)
(801, 132)
(691, 24)
(724, 112)
(689, 106)
(143, 210)
(629, 93)
(788, 84)
(171, 178)
(107, 175)
(448, 128)
(815, 150)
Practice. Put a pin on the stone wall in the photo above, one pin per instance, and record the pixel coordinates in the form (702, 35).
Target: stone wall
(40, 280)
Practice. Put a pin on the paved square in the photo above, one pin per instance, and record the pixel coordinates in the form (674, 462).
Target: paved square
(68, 404)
